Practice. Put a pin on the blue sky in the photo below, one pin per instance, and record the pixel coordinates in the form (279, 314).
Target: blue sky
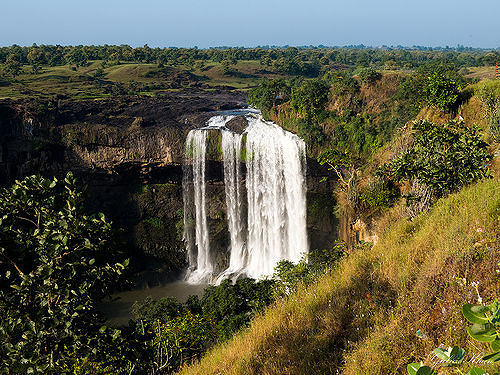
(205, 23)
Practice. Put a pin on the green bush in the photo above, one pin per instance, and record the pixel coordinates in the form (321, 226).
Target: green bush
(310, 96)
(378, 195)
(55, 264)
(176, 341)
(269, 93)
(442, 92)
(368, 75)
(443, 157)
(163, 309)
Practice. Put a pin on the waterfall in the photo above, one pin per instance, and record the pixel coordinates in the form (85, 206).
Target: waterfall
(198, 248)
(276, 197)
(231, 151)
(275, 225)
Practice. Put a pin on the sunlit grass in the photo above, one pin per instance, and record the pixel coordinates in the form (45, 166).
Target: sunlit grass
(362, 317)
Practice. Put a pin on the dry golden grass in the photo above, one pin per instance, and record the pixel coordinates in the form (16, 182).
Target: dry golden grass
(481, 72)
(362, 317)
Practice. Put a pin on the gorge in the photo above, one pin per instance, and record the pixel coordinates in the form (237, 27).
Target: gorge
(129, 153)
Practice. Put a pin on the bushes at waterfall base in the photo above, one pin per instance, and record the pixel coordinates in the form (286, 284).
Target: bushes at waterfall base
(385, 307)
(185, 331)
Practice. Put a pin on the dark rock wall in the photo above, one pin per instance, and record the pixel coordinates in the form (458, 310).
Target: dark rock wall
(128, 153)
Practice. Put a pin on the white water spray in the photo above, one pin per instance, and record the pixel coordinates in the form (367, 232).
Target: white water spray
(276, 200)
(276, 197)
(200, 264)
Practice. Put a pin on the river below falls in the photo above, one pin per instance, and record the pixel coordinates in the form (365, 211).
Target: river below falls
(118, 309)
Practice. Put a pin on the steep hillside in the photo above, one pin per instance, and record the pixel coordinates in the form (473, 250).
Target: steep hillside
(363, 316)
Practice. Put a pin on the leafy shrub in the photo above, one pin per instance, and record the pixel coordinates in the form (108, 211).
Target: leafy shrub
(342, 83)
(310, 132)
(310, 96)
(443, 157)
(442, 92)
(378, 195)
(177, 341)
(55, 264)
(231, 305)
(269, 93)
(494, 125)
(489, 94)
(288, 275)
(163, 309)
(368, 75)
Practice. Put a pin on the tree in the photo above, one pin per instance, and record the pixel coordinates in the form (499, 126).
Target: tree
(76, 57)
(35, 58)
(369, 75)
(269, 93)
(55, 264)
(442, 92)
(342, 163)
(12, 65)
(227, 67)
(310, 96)
(443, 157)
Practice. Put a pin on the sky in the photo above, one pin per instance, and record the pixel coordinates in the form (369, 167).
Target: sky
(209, 23)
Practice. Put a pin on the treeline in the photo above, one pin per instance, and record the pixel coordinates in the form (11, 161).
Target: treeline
(289, 60)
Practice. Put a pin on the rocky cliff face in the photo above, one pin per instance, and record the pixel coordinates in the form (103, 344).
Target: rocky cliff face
(129, 153)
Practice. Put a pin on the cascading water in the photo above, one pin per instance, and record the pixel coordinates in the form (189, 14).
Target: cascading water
(198, 248)
(276, 197)
(231, 151)
(275, 227)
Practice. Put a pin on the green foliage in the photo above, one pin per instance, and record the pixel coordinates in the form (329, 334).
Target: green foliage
(368, 75)
(436, 83)
(154, 222)
(176, 341)
(489, 94)
(342, 83)
(163, 309)
(231, 305)
(99, 74)
(12, 65)
(269, 93)
(378, 195)
(485, 326)
(288, 276)
(55, 264)
(309, 97)
(419, 369)
(310, 132)
(443, 157)
(342, 162)
(494, 125)
(36, 59)
(410, 94)
(442, 92)
(451, 356)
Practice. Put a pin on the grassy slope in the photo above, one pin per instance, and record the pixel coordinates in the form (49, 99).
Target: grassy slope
(362, 317)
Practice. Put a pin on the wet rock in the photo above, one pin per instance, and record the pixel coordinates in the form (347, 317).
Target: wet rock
(237, 124)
